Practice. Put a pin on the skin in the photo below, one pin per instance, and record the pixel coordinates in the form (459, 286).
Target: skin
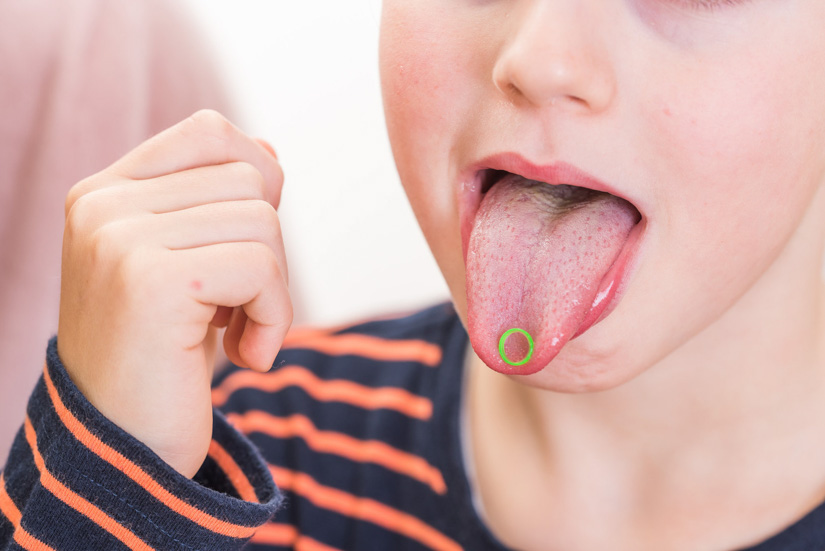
(672, 423)
(689, 401)
(172, 242)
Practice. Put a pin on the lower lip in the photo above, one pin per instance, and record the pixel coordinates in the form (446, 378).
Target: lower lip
(614, 282)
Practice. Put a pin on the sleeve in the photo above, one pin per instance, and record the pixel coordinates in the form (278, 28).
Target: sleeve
(75, 480)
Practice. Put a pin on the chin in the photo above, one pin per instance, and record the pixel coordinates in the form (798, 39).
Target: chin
(578, 372)
(582, 366)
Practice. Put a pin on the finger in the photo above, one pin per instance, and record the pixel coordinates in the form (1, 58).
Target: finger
(256, 342)
(117, 198)
(266, 145)
(232, 336)
(234, 181)
(210, 346)
(249, 276)
(246, 339)
(221, 317)
(228, 222)
(206, 138)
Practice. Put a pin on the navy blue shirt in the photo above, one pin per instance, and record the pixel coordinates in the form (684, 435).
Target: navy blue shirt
(351, 442)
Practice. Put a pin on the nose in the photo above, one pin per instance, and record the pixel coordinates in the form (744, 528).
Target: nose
(553, 53)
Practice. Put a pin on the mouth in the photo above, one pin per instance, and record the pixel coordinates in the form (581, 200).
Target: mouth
(558, 190)
(570, 185)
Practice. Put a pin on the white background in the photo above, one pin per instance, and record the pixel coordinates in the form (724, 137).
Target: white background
(304, 75)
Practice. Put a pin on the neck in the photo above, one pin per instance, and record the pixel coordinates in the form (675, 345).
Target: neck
(714, 383)
(730, 408)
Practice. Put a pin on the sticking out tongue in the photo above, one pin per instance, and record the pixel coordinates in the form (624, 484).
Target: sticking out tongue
(536, 260)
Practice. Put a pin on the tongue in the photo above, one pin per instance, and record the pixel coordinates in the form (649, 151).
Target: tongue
(536, 259)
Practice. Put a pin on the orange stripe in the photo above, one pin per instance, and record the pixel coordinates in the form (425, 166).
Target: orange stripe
(364, 509)
(21, 536)
(273, 533)
(305, 543)
(77, 502)
(362, 451)
(348, 392)
(29, 542)
(285, 535)
(233, 471)
(413, 350)
(137, 474)
(7, 506)
(309, 330)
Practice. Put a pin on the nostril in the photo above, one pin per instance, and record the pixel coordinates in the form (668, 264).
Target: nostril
(513, 90)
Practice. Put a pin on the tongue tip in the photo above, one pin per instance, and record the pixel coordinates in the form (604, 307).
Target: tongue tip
(486, 336)
(540, 359)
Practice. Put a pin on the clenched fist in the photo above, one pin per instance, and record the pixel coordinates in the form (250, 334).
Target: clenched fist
(174, 240)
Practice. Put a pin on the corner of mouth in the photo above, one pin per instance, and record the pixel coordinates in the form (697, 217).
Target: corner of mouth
(487, 177)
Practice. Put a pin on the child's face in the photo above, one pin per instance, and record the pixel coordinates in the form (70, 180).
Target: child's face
(707, 115)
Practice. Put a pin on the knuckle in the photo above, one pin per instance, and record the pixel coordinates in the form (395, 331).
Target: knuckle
(262, 210)
(77, 191)
(268, 260)
(263, 254)
(92, 210)
(211, 122)
(248, 174)
(79, 214)
(266, 218)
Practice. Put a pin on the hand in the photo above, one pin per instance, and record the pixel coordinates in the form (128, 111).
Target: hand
(178, 238)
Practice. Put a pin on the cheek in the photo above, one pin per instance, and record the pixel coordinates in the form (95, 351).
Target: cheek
(737, 157)
(418, 84)
(425, 70)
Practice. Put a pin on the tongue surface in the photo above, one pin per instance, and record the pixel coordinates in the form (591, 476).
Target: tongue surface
(535, 260)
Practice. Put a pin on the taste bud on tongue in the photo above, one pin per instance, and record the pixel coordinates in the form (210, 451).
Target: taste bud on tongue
(538, 262)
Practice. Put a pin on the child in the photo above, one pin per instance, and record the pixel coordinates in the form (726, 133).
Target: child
(634, 186)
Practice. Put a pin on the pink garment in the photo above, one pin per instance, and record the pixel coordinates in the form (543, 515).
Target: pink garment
(81, 83)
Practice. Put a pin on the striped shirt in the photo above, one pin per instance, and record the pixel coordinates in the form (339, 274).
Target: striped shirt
(351, 442)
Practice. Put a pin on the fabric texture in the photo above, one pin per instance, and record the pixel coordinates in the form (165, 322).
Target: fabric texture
(358, 426)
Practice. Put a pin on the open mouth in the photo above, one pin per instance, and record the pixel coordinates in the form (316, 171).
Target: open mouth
(558, 196)
(547, 250)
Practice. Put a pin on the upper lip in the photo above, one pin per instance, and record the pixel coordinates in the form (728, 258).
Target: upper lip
(556, 173)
